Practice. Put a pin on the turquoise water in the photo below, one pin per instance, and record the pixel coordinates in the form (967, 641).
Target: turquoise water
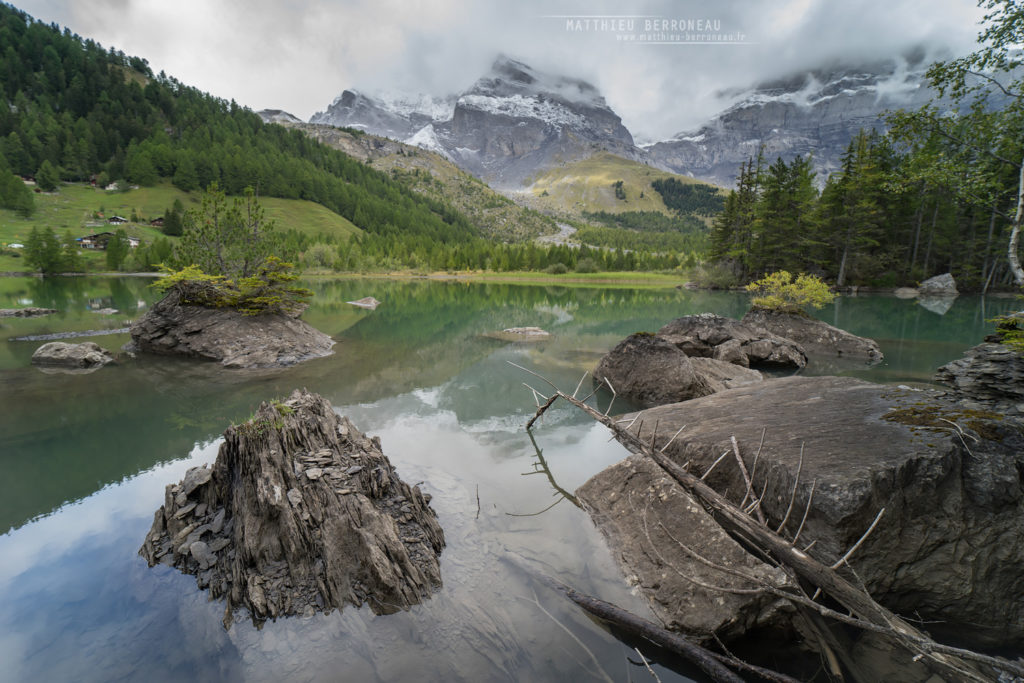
(85, 459)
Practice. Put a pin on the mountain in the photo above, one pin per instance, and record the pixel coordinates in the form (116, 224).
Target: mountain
(512, 122)
(93, 113)
(436, 177)
(816, 112)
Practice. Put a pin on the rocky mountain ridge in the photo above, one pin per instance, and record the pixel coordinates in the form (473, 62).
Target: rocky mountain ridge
(515, 120)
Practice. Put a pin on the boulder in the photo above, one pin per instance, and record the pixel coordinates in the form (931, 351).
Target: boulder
(28, 312)
(950, 543)
(645, 516)
(703, 334)
(905, 293)
(227, 336)
(941, 285)
(84, 356)
(816, 337)
(650, 370)
(300, 513)
(989, 376)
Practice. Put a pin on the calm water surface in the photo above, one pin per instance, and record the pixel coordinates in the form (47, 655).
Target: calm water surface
(85, 459)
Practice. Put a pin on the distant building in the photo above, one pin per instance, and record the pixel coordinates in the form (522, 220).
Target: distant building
(117, 219)
(100, 240)
(157, 222)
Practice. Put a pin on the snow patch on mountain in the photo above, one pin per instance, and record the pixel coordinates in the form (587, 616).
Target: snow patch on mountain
(426, 138)
(519, 106)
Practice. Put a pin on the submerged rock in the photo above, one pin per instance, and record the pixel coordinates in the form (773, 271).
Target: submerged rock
(905, 293)
(520, 334)
(227, 336)
(651, 370)
(817, 337)
(950, 543)
(989, 376)
(300, 512)
(714, 336)
(28, 312)
(84, 356)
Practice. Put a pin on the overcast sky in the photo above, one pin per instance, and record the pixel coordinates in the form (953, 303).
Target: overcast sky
(299, 55)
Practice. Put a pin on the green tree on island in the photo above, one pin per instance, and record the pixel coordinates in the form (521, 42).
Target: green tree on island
(232, 241)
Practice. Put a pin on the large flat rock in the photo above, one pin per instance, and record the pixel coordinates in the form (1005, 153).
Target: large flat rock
(951, 541)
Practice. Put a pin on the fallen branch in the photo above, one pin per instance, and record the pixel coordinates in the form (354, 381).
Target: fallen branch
(629, 623)
(860, 604)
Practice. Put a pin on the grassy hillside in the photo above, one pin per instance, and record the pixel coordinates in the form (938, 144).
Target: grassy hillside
(589, 185)
(430, 174)
(73, 207)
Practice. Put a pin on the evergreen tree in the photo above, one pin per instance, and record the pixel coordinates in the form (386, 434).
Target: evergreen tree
(71, 262)
(43, 251)
(47, 177)
(117, 249)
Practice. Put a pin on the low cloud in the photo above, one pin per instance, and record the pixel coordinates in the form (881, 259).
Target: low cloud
(299, 56)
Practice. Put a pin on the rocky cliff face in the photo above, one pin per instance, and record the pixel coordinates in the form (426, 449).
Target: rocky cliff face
(513, 121)
(816, 112)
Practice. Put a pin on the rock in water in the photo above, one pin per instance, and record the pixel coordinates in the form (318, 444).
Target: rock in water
(950, 543)
(714, 336)
(652, 371)
(940, 285)
(647, 517)
(299, 512)
(989, 376)
(27, 312)
(228, 336)
(816, 337)
(84, 356)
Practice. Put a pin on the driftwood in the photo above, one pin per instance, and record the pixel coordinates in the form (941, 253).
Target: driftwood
(863, 611)
(711, 663)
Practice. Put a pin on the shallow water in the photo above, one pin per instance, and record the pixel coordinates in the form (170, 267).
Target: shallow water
(85, 459)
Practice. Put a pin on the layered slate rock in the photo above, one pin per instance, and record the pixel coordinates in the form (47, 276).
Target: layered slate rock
(651, 370)
(647, 517)
(816, 337)
(300, 513)
(948, 547)
(227, 336)
(989, 376)
(713, 336)
(62, 355)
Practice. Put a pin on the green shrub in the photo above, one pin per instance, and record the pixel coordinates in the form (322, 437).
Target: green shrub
(1009, 330)
(780, 292)
(557, 269)
(269, 291)
(586, 265)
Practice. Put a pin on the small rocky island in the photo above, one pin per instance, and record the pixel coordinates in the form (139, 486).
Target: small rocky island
(176, 327)
(300, 513)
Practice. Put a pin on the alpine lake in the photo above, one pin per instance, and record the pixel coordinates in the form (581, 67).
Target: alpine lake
(85, 459)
